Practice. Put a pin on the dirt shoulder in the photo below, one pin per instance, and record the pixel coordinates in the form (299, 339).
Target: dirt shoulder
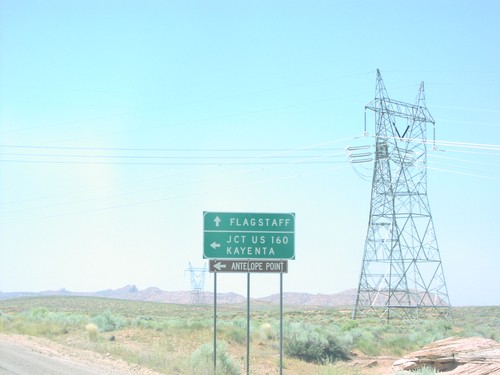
(95, 362)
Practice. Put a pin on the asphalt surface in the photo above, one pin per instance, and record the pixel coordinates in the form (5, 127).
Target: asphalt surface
(16, 359)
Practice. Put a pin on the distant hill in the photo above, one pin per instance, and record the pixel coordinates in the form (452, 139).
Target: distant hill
(153, 294)
(345, 298)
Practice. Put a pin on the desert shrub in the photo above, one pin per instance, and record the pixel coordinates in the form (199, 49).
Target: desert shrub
(267, 332)
(398, 344)
(436, 329)
(39, 313)
(396, 339)
(314, 344)
(202, 363)
(107, 322)
(42, 314)
(174, 323)
(92, 331)
(187, 324)
(338, 371)
(350, 325)
(421, 371)
(40, 321)
(4, 320)
(146, 322)
(236, 334)
(197, 324)
(234, 330)
(365, 341)
(487, 328)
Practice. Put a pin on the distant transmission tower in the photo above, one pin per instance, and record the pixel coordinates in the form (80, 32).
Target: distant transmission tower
(197, 276)
(402, 275)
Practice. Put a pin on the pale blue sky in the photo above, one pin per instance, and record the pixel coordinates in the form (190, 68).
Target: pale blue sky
(252, 105)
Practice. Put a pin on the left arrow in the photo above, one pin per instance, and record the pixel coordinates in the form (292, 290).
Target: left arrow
(219, 266)
(214, 245)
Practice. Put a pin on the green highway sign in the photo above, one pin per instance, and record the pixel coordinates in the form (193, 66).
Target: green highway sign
(245, 265)
(238, 235)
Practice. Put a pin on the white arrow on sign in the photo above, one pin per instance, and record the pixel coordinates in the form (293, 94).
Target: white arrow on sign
(214, 245)
(217, 221)
(219, 266)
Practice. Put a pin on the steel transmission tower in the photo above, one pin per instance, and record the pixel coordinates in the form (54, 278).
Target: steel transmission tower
(197, 277)
(402, 275)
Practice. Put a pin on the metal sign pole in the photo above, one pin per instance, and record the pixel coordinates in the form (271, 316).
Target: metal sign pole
(248, 323)
(215, 323)
(281, 323)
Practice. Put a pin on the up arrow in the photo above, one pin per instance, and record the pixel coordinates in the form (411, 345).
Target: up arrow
(214, 245)
(219, 266)
(217, 221)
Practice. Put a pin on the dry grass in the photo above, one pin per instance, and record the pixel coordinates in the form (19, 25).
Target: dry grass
(92, 331)
(166, 337)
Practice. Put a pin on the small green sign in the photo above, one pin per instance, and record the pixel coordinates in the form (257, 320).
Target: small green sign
(236, 235)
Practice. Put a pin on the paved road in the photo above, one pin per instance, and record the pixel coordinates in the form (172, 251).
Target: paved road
(16, 359)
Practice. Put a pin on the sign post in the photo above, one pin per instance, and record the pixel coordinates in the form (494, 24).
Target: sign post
(248, 323)
(248, 243)
(281, 324)
(215, 324)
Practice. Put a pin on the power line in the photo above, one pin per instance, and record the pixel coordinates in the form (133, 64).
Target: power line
(464, 173)
(466, 109)
(74, 148)
(459, 167)
(192, 194)
(277, 158)
(481, 146)
(465, 161)
(178, 156)
(200, 160)
(213, 177)
(214, 163)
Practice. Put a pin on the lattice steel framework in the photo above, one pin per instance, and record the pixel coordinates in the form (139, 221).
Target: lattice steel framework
(402, 275)
(197, 277)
